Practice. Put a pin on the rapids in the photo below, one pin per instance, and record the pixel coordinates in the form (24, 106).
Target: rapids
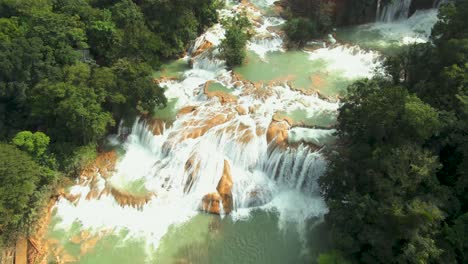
(261, 129)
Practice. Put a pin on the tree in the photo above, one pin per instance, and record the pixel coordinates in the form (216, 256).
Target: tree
(397, 184)
(300, 30)
(382, 177)
(137, 87)
(72, 106)
(232, 47)
(23, 181)
(33, 143)
(308, 19)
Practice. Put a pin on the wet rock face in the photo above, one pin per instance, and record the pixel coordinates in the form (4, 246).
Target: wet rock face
(278, 132)
(211, 203)
(225, 188)
(203, 47)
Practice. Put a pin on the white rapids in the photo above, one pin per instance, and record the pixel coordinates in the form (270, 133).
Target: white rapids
(278, 180)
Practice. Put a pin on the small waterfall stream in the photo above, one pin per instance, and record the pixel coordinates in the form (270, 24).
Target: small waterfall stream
(395, 10)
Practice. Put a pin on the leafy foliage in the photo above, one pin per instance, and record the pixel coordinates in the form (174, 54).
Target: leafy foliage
(232, 47)
(300, 30)
(70, 69)
(23, 180)
(308, 19)
(396, 187)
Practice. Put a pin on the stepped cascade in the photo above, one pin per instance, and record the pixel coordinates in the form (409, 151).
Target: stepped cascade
(244, 150)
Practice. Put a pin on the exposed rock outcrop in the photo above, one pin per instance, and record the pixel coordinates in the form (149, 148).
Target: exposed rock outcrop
(224, 188)
(278, 131)
(212, 202)
(241, 110)
(103, 165)
(187, 110)
(124, 198)
(202, 48)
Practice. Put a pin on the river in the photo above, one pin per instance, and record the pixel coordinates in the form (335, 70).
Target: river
(257, 133)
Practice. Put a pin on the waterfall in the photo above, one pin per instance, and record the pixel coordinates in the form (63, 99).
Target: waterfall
(185, 162)
(297, 168)
(377, 13)
(395, 10)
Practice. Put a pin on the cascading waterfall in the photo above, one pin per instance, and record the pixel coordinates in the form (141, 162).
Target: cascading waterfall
(184, 162)
(395, 10)
(296, 168)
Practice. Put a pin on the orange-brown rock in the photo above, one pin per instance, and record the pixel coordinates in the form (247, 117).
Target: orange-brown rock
(157, 127)
(124, 198)
(211, 203)
(21, 251)
(278, 131)
(241, 110)
(224, 188)
(238, 84)
(92, 194)
(187, 110)
(104, 164)
(279, 117)
(204, 46)
(38, 248)
(253, 108)
(198, 128)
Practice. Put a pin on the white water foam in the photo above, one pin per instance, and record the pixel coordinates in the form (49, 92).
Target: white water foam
(352, 62)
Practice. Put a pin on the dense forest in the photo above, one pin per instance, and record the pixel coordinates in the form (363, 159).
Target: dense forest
(397, 186)
(69, 71)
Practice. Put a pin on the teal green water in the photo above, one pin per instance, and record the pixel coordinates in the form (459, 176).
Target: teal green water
(369, 38)
(172, 69)
(136, 187)
(296, 67)
(205, 239)
(218, 87)
(318, 119)
(168, 113)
